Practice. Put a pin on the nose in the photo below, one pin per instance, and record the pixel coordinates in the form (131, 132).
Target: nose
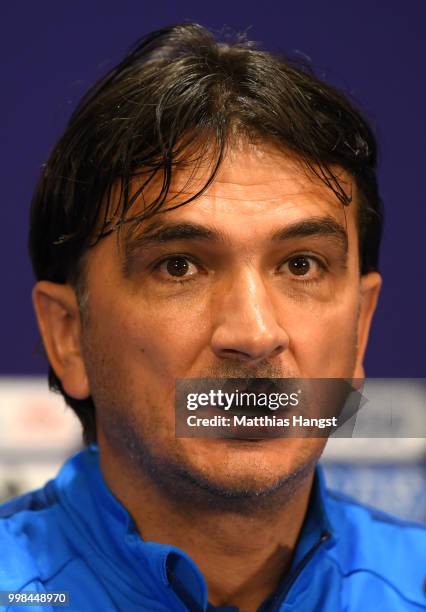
(246, 327)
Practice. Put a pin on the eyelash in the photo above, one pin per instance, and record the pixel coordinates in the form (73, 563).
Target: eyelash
(319, 262)
(177, 280)
(302, 281)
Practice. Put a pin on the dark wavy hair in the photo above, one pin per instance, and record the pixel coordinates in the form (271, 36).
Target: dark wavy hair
(178, 98)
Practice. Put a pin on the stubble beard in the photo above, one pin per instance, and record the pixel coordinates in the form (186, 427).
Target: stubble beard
(133, 441)
(172, 473)
(186, 486)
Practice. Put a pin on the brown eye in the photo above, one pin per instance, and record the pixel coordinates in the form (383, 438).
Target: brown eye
(299, 266)
(178, 266)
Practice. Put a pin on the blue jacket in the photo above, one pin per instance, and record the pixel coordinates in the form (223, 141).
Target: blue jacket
(73, 535)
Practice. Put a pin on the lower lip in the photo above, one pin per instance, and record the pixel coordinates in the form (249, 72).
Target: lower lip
(250, 441)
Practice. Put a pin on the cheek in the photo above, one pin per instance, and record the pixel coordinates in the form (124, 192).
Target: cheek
(160, 340)
(324, 342)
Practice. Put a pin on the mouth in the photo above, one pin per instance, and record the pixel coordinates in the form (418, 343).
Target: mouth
(238, 409)
(251, 395)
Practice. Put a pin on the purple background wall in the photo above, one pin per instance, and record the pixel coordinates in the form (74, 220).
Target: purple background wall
(52, 51)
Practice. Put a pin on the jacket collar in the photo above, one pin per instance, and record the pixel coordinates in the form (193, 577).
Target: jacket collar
(141, 565)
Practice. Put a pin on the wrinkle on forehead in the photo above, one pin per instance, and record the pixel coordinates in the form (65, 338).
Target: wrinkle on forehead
(278, 174)
(252, 175)
(255, 191)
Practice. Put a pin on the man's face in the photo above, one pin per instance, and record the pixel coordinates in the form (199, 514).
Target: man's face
(258, 277)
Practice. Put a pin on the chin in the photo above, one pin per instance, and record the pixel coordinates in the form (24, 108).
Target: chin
(247, 485)
(251, 465)
(268, 455)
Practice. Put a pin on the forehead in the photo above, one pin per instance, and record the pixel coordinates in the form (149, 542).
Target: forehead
(259, 184)
(258, 192)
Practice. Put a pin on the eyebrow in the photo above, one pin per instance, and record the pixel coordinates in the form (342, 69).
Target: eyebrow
(161, 233)
(314, 226)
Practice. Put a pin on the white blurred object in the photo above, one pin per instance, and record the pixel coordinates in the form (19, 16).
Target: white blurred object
(37, 433)
(378, 450)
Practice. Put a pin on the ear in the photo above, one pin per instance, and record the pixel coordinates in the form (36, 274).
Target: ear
(58, 319)
(369, 289)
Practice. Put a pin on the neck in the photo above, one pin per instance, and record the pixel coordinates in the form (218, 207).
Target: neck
(242, 556)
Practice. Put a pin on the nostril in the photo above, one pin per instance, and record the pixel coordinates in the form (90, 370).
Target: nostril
(277, 351)
(253, 353)
(235, 354)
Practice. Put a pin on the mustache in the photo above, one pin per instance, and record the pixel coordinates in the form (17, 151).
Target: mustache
(263, 377)
(238, 369)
